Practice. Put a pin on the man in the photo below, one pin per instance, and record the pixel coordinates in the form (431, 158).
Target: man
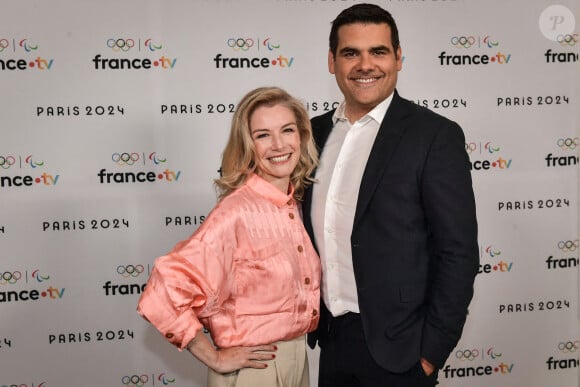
(392, 216)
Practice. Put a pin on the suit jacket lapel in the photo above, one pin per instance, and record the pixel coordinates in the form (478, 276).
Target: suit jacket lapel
(387, 140)
(321, 128)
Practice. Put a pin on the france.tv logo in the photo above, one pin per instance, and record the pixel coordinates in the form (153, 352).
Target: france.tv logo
(483, 155)
(34, 165)
(26, 47)
(122, 47)
(123, 160)
(252, 48)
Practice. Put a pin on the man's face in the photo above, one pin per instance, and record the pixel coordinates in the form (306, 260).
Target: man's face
(365, 66)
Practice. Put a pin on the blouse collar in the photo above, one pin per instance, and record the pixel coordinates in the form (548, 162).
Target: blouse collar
(269, 191)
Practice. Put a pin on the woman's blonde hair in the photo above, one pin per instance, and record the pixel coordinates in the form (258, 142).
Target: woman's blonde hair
(239, 154)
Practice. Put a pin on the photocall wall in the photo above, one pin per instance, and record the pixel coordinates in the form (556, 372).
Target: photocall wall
(113, 118)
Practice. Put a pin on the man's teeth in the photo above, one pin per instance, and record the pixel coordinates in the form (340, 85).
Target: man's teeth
(366, 80)
(279, 159)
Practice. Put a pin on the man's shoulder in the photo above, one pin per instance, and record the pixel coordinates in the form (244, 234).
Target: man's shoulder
(411, 108)
(322, 119)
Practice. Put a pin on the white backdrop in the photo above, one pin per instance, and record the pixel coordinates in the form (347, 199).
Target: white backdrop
(96, 93)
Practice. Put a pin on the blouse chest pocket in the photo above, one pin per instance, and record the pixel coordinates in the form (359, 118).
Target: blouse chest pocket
(264, 281)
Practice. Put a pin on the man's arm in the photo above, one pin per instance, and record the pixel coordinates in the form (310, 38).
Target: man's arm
(449, 205)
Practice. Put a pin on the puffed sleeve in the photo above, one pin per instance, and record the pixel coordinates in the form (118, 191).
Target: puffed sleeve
(184, 286)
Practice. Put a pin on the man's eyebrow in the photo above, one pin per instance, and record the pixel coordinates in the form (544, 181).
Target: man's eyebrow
(380, 47)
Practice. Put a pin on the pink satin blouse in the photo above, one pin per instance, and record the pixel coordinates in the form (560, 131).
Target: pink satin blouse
(249, 274)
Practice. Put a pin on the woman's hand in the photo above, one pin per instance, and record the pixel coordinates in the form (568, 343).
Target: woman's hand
(232, 359)
(235, 358)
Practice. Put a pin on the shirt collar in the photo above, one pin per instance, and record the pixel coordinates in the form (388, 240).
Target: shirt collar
(269, 192)
(377, 114)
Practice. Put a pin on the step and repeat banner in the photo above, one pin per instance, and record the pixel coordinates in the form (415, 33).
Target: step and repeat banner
(113, 118)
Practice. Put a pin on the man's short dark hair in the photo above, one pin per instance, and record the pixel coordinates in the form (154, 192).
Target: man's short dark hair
(363, 13)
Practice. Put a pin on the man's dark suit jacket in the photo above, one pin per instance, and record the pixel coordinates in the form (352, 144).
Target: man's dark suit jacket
(414, 240)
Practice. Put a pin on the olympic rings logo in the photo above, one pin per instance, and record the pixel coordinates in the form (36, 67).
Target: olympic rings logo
(568, 143)
(7, 161)
(125, 158)
(568, 245)
(130, 270)
(463, 41)
(567, 40)
(10, 277)
(467, 354)
(134, 380)
(468, 41)
(120, 44)
(569, 346)
(238, 44)
(470, 147)
(4, 44)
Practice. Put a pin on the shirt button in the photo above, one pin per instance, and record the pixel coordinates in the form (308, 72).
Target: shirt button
(169, 335)
(300, 249)
(307, 281)
(289, 202)
(314, 312)
(291, 215)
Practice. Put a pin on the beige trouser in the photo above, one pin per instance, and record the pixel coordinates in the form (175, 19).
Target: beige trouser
(288, 369)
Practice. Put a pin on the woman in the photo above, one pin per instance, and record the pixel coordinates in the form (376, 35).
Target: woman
(249, 274)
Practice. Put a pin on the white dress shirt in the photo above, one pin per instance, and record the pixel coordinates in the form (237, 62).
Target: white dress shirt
(339, 174)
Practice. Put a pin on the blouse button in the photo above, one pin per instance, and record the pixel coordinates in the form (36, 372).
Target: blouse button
(291, 215)
(307, 281)
(289, 202)
(169, 335)
(314, 312)
(300, 249)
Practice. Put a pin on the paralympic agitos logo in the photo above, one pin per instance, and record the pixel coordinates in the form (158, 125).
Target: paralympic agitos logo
(250, 52)
(150, 50)
(136, 160)
(32, 60)
(26, 171)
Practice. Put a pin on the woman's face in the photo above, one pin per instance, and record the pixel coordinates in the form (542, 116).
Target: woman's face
(276, 139)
